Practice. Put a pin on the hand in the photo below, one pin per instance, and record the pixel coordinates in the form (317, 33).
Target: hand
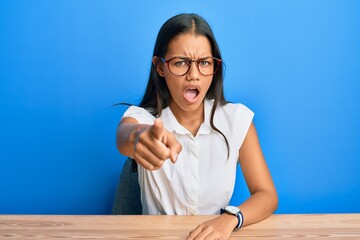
(220, 227)
(154, 144)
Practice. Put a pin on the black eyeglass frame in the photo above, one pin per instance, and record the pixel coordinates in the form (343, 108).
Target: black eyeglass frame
(219, 62)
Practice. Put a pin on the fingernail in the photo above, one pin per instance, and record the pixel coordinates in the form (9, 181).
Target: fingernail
(174, 157)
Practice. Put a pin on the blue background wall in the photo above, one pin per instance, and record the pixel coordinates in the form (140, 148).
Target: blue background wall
(64, 63)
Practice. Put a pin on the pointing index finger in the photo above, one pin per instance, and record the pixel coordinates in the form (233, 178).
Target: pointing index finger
(157, 129)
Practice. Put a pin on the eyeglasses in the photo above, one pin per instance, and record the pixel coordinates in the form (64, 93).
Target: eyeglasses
(180, 66)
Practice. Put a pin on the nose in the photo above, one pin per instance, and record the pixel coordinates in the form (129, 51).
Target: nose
(193, 73)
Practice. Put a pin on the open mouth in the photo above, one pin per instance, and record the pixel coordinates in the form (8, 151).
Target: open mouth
(191, 94)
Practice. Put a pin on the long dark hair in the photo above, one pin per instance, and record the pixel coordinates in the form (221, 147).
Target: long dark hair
(157, 95)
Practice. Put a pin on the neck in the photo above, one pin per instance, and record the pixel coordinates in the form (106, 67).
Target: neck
(191, 120)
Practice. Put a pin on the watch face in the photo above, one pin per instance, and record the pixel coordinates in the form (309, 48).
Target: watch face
(232, 209)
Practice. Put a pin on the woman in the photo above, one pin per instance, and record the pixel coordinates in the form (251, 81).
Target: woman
(187, 139)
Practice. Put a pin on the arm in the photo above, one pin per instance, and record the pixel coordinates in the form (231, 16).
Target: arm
(263, 200)
(260, 205)
(149, 145)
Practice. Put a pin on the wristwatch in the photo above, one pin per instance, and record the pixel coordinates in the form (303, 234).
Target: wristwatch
(236, 212)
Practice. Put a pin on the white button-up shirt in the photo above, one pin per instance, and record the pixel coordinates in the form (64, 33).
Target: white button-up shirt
(202, 179)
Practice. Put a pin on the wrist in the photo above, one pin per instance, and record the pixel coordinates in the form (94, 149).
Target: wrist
(134, 137)
(235, 212)
(231, 220)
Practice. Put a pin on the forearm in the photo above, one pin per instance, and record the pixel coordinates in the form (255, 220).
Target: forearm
(259, 206)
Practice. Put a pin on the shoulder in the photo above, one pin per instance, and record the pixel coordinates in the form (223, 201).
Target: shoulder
(235, 111)
(234, 119)
(236, 107)
(140, 114)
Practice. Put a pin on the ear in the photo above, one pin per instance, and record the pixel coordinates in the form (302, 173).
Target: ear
(159, 66)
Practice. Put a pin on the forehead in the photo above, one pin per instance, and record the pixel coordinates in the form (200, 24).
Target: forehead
(189, 44)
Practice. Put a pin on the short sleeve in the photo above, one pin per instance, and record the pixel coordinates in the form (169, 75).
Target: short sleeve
(139, 114)
(245, 118)
(234, 120)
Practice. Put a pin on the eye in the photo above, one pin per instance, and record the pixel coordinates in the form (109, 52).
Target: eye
(180, 63)
(204, 63)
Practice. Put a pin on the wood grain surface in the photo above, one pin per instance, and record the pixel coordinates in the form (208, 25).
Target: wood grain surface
(292, 226)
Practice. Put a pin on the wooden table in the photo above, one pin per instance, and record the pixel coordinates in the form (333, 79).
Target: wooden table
(326, 226)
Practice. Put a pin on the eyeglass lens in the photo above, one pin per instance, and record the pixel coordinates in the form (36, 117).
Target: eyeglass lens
(180, 66)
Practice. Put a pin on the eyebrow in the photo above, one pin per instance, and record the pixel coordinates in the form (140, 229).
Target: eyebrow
(187, 58)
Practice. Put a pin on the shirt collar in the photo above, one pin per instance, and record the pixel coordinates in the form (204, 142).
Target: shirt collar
(172, 125)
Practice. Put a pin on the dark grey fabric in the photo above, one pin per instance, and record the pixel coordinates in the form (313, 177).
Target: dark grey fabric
(127, 198)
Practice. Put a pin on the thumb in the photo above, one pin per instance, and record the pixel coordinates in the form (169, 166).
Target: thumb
(175, 147)
(157, 130)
